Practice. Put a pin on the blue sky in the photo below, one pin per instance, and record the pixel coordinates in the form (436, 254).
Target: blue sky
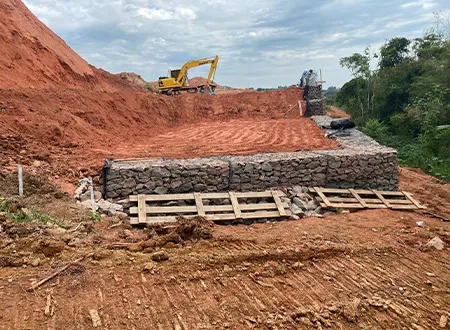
(261, 43)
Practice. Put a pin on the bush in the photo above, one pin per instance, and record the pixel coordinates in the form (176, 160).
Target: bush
(376, 130)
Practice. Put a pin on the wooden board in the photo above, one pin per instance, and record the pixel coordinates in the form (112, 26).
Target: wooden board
(365, 199)
(235, 204)
(199, 204)
(149, 208)
(279, 204)
(141, 207)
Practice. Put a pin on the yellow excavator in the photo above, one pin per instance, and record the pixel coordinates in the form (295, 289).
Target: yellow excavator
(177, 81)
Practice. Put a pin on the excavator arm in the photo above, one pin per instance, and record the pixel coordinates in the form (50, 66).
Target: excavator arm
(182, 76)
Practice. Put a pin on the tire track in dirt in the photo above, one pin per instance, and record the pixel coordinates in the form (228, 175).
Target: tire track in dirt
(233, 137)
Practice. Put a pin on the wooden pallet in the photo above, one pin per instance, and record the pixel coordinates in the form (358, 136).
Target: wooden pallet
(148, 214)
(365, 199)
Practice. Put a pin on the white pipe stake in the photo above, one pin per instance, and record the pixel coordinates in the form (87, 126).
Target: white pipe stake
(91, 188)
(20, 176)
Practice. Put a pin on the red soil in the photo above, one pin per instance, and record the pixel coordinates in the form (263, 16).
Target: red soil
(235, 137)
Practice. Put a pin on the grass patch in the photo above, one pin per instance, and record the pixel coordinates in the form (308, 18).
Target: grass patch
(22, 215)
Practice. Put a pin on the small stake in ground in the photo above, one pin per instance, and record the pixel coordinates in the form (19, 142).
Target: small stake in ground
(19, 174)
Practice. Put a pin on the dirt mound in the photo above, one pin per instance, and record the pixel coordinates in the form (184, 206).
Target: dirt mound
(33, 56)
(197, 81)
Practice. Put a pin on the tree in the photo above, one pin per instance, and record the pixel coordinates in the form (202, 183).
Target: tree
(359, 66)
(394, 52)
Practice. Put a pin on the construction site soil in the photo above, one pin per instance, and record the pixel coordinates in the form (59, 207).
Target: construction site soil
(363, 270)
(61, 117)
(67, 131)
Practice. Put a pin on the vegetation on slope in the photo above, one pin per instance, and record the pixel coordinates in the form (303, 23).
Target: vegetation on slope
(405, 101)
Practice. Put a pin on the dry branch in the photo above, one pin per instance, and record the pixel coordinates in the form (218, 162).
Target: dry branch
(48, 278)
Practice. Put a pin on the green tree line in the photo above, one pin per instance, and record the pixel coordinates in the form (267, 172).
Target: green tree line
(405, 101)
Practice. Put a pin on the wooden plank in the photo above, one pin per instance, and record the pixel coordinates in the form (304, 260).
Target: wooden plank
(300, 108)
(322, 195)
(243, 207)
(215, 196)
(360, 192)
(360, 200)
(404, 207)
(134, 221)
(412, 200)
(190, 196)
(165, 209)
(342, 206)
(162, 198)
(214, 217)
(251, 215)
(150, 220)
(207, 208)
(279, 204)
(199, 204)
(235, 204)
(142, 206)
(367, 200)
(380, 196)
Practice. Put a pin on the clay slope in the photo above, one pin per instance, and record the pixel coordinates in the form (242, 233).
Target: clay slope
(32, 56)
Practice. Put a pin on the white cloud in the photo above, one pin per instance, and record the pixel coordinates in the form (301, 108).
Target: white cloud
(425, 4)
(165, 15)
(260, 42)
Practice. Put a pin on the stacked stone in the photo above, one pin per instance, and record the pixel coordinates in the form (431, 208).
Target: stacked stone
(314, 103)
(295, 169)
(162, 177)
(364, 171)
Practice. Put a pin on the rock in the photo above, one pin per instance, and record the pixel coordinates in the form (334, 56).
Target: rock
(35, 262)
(313, 214)
(296, 210)
(148, 267)
(129, 183)
(127, 233)
(121, 215)
(87, 196)
(104, 205)
(96, 321)
(304, 196)
(294, 217)
(87, 205)
(114, 208)
(420, 224)
(443, 321)
(312, 205)
(125, 203)
(160, 256)
(82, 188)
(436, 243)
(55, 231)
(297, 189)
(305, 321)
(300, 203)
(161, 190)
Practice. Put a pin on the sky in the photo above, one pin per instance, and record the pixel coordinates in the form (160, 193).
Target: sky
(261, 43)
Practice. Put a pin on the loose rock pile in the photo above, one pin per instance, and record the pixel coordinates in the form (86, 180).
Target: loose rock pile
(301, 203)
(83, 197)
